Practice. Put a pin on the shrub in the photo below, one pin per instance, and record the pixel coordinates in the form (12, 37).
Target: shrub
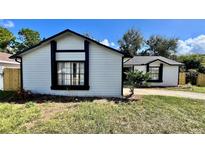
(29, 104)
(136, 79)
(191, 77)
(191, 61)
(201, 69)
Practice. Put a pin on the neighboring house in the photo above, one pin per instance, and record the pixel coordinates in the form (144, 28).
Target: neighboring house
(5, 62)
(71, 64)
(163, 71)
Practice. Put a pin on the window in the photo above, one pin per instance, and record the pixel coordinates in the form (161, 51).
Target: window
(154, 72)
(70, 73)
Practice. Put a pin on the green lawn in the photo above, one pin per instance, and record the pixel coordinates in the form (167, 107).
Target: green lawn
(150, 114)
(190, 89)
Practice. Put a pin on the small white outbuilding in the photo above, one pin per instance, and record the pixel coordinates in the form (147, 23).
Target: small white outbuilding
(71, 64)
(163, 71)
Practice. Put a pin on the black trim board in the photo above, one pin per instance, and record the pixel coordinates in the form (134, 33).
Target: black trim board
(70, 50)
(163, 62)
(160, 73)
(70, 87)
(63, 32)
(54, 85)
(86, 48)
(122, 79)
(53, 64)
(178, 75)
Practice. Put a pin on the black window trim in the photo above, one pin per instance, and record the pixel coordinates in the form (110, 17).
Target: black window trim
(160, 73)
(54, 85)
(72, 61)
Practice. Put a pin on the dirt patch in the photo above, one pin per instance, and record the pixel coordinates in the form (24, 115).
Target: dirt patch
(49, 110)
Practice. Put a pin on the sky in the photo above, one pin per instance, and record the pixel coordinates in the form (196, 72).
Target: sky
(191, 33)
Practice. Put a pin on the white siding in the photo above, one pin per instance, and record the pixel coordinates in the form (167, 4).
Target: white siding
(104, 78)
(70, 56)
(169, 77)
(70, 42)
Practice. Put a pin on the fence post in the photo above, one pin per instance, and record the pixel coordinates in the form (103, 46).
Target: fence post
(201, 79)
(182, 78)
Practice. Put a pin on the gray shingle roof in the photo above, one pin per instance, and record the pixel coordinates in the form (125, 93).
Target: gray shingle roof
(143, 60)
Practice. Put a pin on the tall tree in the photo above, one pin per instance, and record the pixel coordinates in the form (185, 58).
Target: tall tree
(191, 61)
(131, 42)
(27, 38)
(161, 46)
(6, 39)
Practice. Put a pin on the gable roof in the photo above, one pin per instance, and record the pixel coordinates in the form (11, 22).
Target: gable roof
(4, 58)
(63, 32)
(143, 60)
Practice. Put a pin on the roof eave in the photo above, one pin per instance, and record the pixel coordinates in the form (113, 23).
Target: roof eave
(58, 34)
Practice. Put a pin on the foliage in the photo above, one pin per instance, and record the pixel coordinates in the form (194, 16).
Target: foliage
(161, 46)
(150, 114)
(201, 69)
(191, 76)
(27, 38)
(136, 79)
(29, 104)
(6, 39)
(131, 42)
(191, 61)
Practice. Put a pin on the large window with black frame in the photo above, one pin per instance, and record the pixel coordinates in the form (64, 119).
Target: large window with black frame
(154, 73)
(70, 73)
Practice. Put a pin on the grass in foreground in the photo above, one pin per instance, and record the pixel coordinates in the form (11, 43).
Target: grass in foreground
(150, 114)
(190, 89)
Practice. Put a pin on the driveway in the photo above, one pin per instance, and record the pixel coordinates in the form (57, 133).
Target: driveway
(164, 92)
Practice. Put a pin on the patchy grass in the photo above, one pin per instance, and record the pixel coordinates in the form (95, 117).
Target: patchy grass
(150, 114)
(188, 88)
(13, 117)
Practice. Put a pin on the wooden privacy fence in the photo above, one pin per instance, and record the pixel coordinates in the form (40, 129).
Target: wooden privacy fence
(12, 79)
(182, 78)
(200, 79)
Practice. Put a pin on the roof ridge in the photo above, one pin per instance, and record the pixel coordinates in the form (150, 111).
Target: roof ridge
(60, 33)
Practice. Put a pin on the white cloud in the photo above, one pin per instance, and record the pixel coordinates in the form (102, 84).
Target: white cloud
(7, 23)
(105, 42)
(108, 43)
(192, 45)
(112, 44)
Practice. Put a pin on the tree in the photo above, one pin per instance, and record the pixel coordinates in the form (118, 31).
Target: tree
(191, 61)
(161, 46)
(6, 39)
(136, 79)
(131, 42)
(27, 38)
(89, 35)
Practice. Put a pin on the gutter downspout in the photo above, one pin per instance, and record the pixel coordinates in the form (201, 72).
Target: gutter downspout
(21, 69)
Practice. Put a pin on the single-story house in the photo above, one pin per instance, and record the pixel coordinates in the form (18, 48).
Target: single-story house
(71, 64)
(163, 71)
(5, 62)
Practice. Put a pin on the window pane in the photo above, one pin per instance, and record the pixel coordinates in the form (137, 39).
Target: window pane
(81, 67)
(81, 79)
(70, 73)
(154, 73)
